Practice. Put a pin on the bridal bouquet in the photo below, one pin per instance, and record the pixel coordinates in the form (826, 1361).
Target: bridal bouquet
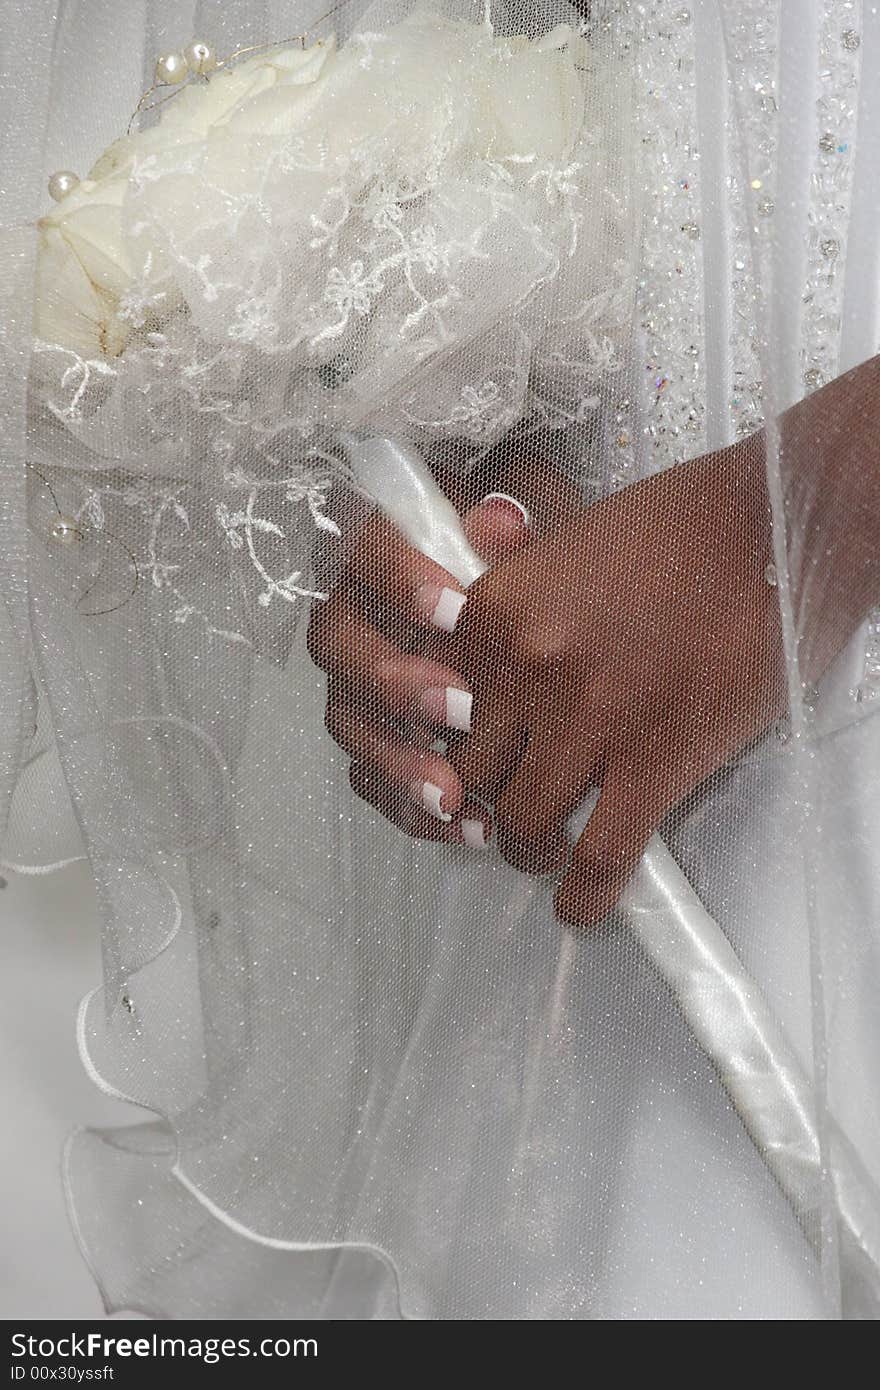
(420, 235)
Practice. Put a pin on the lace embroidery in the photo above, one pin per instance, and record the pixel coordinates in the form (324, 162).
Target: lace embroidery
(446, 284)
(165, 530)
(241, 529)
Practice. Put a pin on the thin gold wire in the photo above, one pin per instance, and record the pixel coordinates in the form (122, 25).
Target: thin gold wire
(108, 535)
(301, 39)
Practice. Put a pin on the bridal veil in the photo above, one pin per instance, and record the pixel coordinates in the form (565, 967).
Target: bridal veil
(379, 1079)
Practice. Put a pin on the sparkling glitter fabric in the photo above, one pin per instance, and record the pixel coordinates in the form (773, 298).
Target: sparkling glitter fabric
(384, 1081)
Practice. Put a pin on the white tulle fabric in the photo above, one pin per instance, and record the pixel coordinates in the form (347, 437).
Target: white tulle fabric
(368, 1104)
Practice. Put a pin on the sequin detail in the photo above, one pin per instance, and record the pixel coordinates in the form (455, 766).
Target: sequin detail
(752, 34)
(665, 421)
(830, 190)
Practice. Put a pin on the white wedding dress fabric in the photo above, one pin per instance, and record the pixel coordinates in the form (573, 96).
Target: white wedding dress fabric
(363, 1096)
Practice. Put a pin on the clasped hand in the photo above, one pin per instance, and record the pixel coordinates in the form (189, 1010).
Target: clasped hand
(632, 645)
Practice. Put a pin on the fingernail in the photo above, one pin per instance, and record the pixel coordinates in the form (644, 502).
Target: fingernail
(440, 606)
(429, 796)
(506, 497)
(473, 833)
(449, 706)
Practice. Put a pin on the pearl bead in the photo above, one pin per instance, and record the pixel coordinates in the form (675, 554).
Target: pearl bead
(62, 182)
(65, 529)
(171, 68)
(200, 57)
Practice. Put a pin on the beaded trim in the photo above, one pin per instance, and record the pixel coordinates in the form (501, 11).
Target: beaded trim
(830, 189)
(752, 33)
(667, 422)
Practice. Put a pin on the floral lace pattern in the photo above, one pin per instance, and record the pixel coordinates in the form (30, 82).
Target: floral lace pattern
(440, 263)
(387, 275)
(136, 542)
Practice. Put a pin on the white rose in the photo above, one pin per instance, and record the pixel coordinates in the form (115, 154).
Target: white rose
(82, 268)
(427, 97)
(85, 262)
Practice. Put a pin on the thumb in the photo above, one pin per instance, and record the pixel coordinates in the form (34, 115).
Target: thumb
(497, 526)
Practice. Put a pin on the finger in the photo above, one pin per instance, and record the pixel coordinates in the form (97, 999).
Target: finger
(535, 478)
(376, 675)
(532, 811)
(487, 757)
(471, 827)
(414, 776)
(634, 799)
(497, 526)
(532, 472)
(420, 591)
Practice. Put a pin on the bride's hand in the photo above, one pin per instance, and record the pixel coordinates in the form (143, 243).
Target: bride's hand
(383, 638)
(635, 647)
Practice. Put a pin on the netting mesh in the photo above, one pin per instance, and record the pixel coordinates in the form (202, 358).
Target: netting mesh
(558, 257)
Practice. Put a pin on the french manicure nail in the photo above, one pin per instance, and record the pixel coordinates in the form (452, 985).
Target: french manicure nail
(449, 706)
(474, 834)
(429, 796)
(458, 708)
(506, 497)
(441, 606)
